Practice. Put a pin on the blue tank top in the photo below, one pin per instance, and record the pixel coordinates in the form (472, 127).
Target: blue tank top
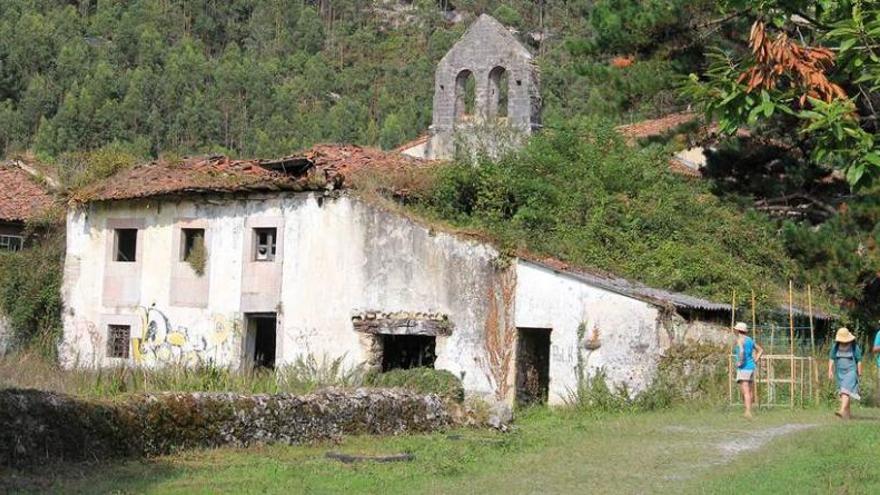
(745, 357)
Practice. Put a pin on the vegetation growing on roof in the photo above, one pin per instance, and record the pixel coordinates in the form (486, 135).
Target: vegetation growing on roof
(584, 196)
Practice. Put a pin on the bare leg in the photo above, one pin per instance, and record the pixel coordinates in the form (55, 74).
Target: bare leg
(746, 388)
(844, 406)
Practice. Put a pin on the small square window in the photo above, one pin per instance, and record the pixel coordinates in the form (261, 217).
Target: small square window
(191, 239)
(11, 242)
(265, 244)
(118, 341)
(125, 245)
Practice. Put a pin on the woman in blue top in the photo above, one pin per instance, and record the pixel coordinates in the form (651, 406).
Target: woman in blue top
(747, 353)
(845, 359)
(876, 350)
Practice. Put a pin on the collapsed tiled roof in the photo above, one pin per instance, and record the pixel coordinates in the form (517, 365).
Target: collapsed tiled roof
(657, 127)
(321, 167)
(326, 167)
(22, 198)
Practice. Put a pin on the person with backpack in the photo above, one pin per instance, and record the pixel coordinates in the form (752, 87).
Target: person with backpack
(747, 353)
(845, 365)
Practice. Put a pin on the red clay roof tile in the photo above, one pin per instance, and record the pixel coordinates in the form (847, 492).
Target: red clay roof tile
(21, 197)
(321, 167)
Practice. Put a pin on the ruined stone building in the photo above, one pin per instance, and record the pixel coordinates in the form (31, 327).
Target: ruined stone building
(250, 263)
(23, 198)
(486, 95)
(260, 263)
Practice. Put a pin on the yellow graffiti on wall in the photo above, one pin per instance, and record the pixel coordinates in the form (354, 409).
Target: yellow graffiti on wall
(163, 343)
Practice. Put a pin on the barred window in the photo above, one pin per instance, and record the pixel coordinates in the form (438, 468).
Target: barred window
(118, 341)
(11, 242)
(265, 241)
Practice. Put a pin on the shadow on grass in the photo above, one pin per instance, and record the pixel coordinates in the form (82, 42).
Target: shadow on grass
(873, 419)
(87, 477)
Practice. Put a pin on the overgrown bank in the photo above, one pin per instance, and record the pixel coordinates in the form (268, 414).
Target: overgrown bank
(582, 195)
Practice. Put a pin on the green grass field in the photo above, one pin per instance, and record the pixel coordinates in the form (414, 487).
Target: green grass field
(707, 451)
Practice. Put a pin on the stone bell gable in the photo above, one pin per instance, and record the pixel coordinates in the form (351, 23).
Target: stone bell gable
(486, 86)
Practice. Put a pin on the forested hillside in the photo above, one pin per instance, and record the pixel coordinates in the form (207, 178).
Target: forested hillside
(265, 77)
(91, 86)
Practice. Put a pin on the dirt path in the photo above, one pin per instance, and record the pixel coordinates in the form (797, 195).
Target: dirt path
(642, 454)
(755, 440)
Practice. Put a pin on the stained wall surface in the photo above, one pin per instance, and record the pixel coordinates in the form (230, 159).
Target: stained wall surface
(340, 257)
(337, 259)
(590, 328)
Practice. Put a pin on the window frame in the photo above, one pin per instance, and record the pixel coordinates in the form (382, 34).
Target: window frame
(114, 350)
(8, 245)
(116, 251)
(272, 255)
(185, 248)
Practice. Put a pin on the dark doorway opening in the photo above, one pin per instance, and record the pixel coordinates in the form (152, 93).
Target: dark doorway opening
(261, 340)
(532, 365)
(408, 351)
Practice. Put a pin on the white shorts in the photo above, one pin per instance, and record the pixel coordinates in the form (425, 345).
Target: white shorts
(745, 375)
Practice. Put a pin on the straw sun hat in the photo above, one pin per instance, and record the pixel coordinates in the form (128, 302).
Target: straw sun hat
(844, 336)
(741, 327)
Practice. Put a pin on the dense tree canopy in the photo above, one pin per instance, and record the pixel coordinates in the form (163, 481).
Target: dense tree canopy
(807, 66)
(266, 77)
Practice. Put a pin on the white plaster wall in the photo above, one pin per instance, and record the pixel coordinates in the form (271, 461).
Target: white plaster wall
(628, 331)
(186, 334)
(340, 256)
(5, 336)
(345, 256)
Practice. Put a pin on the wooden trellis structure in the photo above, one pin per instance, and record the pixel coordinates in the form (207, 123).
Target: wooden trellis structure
(781, 379)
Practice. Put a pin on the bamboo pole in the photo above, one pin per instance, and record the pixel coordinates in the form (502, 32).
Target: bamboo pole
(812, 328)
(791, 337)
(814, 376)
(755, 338)
(729, 356)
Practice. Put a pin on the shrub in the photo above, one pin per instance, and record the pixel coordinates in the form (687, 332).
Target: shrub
(594, 395)
(694, 373)
(30, 295)
(421, 380)
(198, 257)
(583, 195)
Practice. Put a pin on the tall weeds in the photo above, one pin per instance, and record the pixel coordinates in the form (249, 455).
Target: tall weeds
(31, 370)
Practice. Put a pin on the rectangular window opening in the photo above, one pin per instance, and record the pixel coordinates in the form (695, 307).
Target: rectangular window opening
(118, 341)
(125, 245)
(191, 240)
(265, 240)
(11, 242)
(408, 351)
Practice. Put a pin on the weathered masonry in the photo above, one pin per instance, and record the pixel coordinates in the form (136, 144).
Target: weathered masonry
(259, 263)
(486, 94)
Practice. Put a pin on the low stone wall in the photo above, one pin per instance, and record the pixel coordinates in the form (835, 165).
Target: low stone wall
(36, 426)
